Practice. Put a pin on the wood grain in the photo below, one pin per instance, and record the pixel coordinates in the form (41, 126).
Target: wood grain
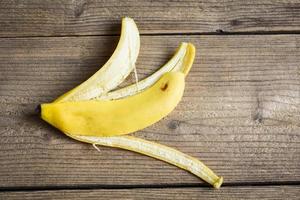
(98, 17)
(240, 113)
(232, 193)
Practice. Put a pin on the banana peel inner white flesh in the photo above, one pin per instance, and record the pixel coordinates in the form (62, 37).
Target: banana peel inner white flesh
(101, 82)
(180, 62)
(114, 71)
(158, 151)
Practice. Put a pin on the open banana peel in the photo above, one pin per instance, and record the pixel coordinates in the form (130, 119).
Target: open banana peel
(94, 113)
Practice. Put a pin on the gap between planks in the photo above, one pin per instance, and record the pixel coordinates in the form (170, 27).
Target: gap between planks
(218, 32)
(265, 192)
(146, 186)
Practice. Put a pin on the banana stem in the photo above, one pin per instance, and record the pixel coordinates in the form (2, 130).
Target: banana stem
(158, 151)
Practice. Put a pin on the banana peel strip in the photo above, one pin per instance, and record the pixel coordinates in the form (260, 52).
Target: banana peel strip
(114, 71)
(181, 61)
(158, 151)
(152, 149)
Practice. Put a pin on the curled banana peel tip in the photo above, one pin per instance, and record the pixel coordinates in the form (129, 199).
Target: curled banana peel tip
(95, 113)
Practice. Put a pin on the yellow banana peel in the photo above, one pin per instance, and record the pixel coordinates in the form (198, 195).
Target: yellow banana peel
(117, 117)
(182, 61)
(91, 111)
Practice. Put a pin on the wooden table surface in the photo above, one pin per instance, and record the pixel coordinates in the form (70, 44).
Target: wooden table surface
(240, 113)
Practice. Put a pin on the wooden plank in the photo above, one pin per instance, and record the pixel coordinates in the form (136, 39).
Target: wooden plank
(239, 114)
(261, 192)
(94, 17)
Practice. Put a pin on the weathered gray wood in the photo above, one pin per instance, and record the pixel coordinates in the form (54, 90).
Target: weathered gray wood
(232, 193)
(94, 17)
(240, 112)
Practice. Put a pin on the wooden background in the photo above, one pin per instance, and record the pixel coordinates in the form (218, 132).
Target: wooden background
(240, 113)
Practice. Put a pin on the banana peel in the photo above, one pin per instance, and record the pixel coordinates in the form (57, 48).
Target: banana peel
(98, 87)
(117, 117)
(114, 71)
(181, 61)
(158, 151)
